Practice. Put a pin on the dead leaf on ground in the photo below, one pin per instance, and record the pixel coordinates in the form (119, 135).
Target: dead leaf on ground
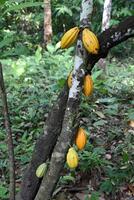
(131, 188)
(131, 123)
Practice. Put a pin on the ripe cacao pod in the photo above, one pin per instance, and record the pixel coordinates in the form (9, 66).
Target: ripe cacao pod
(41, 170)
(88, 85)
(90, 41)
(81, 138)
(69, 37)
(72, 158)
(69, 80)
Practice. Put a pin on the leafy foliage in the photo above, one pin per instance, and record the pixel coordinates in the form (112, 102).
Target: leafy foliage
(34, 76)
(21, 25)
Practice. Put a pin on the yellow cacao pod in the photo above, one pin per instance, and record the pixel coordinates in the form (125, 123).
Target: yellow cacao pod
(69, 80)
(69, 37)
(81, 138)
(90, 41)
(41, 170)
(72, 158)
(88, 85)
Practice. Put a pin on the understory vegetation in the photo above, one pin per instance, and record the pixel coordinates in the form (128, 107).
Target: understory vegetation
(34, 75)
(33, 83)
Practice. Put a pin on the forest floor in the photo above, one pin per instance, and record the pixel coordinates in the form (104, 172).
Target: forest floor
(106, 168)
(113, 136)
(106, 165)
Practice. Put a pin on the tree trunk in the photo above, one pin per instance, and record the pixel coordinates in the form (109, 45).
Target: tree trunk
(47, 22)
(9, 136)
(106, 14)
(105, 25)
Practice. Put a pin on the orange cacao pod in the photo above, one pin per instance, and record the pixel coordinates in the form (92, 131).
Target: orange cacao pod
(88, 85)
(81, 138)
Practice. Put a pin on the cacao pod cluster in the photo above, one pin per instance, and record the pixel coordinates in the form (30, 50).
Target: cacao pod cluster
(89, 39)
(80, 141)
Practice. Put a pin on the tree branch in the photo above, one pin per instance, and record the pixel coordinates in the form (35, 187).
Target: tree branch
(9, 137)
(110, 38)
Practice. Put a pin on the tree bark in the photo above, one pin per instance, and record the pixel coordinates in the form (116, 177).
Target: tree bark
(106, 14)
(47, 22)
(108, 39)
(9, 137)
(105, 25)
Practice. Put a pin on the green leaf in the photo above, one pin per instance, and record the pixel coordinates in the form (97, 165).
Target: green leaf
(20, 6)
(5, 42)
(51, 49)
(131, 114)
(94, 196)
(86, 197)
(125, 156)
(2, 2)
(63, 10)
(38, 54)
(96, 74)
(100, 123)
(107, 100)
(3, 192)
(106, 186)
(61, 82)
(68, 178)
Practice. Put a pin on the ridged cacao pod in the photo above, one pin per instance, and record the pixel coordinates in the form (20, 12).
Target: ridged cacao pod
(90, 41)
(81, 138)
(41, 170)
(88, 85)
(72, 158)
(69, 37)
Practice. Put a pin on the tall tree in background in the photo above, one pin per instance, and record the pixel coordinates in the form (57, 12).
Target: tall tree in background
(10, 144)
(47, 22)
(105, 25)
(106, 14)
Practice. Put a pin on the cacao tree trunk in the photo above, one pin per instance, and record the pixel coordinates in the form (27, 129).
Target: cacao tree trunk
(105, 25)
(67, 132)
(47, 22)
